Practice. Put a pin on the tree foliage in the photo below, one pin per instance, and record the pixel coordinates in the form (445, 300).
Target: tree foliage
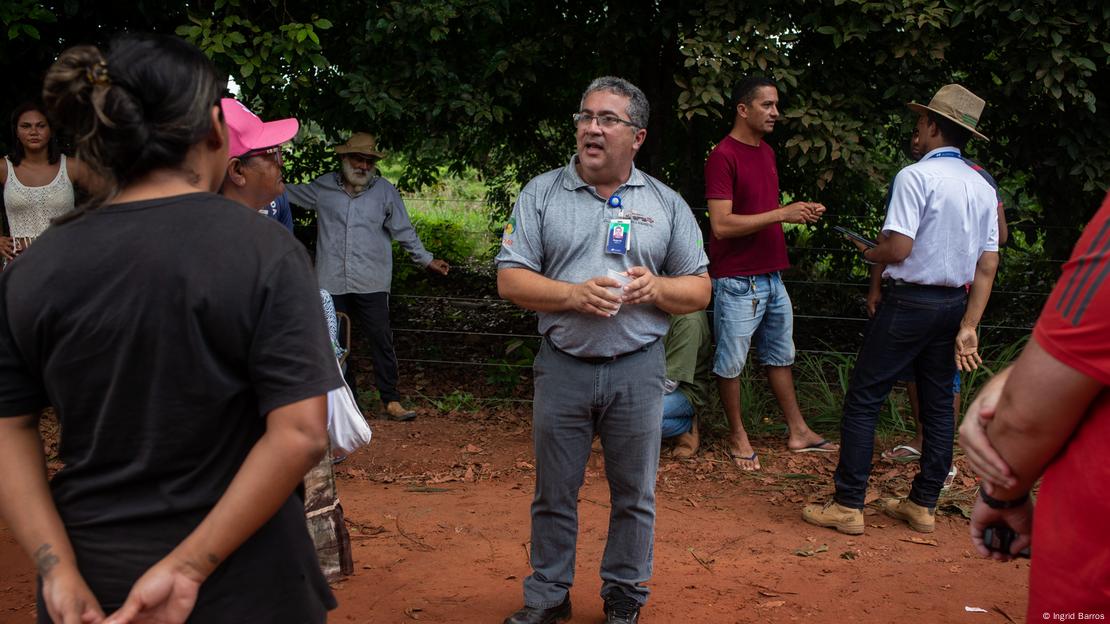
(489, 85)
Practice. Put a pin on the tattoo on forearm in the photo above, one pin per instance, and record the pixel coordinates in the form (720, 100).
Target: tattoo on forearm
(45, 559)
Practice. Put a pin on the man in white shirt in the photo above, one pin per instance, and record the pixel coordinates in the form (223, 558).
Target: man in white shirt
(941, 232)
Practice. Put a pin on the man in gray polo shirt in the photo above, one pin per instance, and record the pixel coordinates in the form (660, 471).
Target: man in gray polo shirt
(359, 214)
(601, 365)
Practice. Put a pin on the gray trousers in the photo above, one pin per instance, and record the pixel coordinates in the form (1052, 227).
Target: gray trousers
(623, 402)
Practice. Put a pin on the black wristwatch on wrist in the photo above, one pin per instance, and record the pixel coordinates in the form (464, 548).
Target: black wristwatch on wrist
(995, 503)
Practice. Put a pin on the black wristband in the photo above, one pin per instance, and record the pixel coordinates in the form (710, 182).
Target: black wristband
(995, 503)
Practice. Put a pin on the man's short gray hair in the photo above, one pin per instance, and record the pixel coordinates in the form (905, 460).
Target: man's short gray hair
(638, 108)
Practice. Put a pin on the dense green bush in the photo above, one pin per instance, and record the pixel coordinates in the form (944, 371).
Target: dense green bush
(465, 248)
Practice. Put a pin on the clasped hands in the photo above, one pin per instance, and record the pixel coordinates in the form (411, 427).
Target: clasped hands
(594, 296)
(802, 212)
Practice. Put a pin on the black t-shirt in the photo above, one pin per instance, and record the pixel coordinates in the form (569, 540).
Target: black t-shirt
(163, 332)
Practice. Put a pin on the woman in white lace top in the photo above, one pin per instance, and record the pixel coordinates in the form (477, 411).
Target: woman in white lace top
(38, 180)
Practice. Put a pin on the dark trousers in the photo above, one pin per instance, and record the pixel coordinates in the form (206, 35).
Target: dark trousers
(369, 314)
(914, 327)
(622, 402)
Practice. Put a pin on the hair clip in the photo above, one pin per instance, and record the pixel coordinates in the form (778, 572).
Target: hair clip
(98, 74)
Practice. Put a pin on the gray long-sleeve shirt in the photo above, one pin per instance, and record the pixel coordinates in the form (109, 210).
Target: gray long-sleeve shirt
(353, 233)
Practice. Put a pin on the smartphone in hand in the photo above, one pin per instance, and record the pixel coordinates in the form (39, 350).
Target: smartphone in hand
(999, 537)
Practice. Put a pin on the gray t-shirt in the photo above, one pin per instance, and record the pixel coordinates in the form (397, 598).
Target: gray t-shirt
(559, 228)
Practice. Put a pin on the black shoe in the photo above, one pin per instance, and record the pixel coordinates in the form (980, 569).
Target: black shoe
(621, 610)
(532, 615)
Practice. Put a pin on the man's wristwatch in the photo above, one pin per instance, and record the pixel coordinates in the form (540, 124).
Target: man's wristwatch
(995, 503)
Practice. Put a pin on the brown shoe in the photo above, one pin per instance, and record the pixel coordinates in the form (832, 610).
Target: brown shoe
(920, 519)
(686, 445)
(395, 411)
(833, 515)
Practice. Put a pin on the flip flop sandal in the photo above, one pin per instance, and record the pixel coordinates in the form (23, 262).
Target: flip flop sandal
(950, 479)
(816, 447)
(754, 457)
(910, 456)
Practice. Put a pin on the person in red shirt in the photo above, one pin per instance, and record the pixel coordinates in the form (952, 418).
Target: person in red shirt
(1049, 415)
(747, 254)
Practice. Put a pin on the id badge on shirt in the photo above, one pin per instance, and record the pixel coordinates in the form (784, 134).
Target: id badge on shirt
(619, 237)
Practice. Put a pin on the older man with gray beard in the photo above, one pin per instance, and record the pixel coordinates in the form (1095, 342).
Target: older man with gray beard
(358, 215)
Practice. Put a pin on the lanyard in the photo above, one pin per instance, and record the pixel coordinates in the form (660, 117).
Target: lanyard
(946, 155)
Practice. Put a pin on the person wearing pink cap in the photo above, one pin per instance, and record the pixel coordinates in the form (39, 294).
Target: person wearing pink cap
(253, 178)
(254, 155)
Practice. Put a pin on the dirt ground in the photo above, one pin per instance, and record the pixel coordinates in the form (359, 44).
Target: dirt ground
(438, 513)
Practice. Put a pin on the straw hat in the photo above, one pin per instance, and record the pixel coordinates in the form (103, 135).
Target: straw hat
(360, 143)
(957, 104)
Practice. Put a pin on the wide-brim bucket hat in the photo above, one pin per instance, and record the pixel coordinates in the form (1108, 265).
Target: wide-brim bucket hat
(957, 104)
(360, 143)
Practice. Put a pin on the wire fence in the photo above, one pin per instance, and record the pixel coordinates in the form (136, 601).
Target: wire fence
(496, 303)
(491, 302)
(503, 365)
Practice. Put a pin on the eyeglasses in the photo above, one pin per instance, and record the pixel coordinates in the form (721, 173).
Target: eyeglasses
(607, 122)
(270, 153)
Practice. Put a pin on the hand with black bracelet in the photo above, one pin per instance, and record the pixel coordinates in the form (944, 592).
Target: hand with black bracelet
(1014, 513)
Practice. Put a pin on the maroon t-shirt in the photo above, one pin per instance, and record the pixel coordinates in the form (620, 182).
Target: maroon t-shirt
(747, 177)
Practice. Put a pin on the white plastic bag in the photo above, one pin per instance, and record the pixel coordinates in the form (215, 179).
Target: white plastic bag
(347, 426)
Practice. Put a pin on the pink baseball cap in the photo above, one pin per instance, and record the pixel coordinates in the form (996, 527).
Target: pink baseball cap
(246, 132)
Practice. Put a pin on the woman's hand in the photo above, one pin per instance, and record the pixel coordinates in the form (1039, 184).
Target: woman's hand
(7, 249)
(165, 594)
(68, 598)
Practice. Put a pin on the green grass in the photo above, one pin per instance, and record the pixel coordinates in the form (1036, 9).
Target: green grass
(456, 401)
(451, 218)
(821, 380)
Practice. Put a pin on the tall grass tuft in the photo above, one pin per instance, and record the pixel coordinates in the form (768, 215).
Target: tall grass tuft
(821, 381)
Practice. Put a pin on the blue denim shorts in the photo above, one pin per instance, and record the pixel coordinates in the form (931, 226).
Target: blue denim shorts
(752, 307)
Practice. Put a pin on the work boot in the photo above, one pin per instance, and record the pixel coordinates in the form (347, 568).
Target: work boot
(395, 411)
(534, 615)
(833, 515)
(686, 446)
(920, 519)
(620, 609)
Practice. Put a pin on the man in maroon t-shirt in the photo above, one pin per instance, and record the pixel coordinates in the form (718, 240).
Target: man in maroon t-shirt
(747, 252)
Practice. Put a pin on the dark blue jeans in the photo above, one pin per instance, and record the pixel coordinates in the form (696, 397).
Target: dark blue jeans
(369, 314)
(914, 327)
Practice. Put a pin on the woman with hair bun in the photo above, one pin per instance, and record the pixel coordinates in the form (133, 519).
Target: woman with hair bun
(37, 178)
(181, 342)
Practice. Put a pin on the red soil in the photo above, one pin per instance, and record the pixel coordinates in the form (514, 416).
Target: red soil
(438, 512)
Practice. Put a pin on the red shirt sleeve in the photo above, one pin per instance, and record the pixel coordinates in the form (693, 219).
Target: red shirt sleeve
(1074, 326)
(720, 176)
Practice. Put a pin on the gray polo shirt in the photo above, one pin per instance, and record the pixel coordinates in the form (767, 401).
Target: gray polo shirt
(559, 228)
(354, 253)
